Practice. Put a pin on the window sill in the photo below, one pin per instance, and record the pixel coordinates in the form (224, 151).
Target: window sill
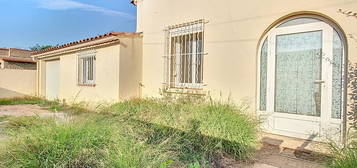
(186, 90)
(88, 85)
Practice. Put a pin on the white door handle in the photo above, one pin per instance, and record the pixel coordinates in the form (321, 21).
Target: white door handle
(319, 82)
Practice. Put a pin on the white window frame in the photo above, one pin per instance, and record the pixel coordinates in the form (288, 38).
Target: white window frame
(191, 28)
(86, 67)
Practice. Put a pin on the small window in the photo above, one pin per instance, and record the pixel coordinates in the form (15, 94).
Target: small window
(185, 52)
(86, 68)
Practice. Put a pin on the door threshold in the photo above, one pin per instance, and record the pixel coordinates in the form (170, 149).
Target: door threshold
(302, 145)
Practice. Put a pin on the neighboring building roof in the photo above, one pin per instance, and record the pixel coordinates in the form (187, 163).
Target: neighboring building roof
(117, 34)
(14, 49)
(14, 59)
(15, 52)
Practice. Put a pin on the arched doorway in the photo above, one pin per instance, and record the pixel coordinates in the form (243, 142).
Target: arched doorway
(301, 79)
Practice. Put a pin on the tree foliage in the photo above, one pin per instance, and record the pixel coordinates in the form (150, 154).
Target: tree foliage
(39, 47)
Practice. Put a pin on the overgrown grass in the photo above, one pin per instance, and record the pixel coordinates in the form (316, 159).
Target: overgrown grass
(346, 156)
(3, 118)
(203, 130)
(21, 100)
(96, 141)
(136, 133)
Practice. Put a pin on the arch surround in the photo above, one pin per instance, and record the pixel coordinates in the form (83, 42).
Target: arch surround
(301, 90)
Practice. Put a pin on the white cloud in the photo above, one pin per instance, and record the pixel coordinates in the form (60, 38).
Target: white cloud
(71, 4)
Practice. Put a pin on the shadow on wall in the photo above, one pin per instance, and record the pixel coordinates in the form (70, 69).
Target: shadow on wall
(352, 95)
(5, 93)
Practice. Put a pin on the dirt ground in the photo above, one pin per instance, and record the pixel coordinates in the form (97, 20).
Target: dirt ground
(26, 110)
(275, 157)
(269, 156)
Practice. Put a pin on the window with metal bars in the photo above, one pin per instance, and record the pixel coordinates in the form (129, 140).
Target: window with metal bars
(86, 68)
(185, 55)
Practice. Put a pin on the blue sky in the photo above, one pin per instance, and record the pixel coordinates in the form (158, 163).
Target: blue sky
(24, 23)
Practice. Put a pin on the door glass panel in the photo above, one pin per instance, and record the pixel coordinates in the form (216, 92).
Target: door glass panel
(298, 72)
(299, 21)
(263, 76)
(337, 76)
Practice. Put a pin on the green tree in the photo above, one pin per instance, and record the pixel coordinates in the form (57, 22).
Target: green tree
(39, 47)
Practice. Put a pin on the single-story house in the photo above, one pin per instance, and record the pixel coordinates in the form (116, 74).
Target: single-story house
(105, 68)
(13, 58)
(291, 61)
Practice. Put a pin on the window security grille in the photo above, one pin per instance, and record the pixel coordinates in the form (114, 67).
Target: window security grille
(86, 68)
(184, 55)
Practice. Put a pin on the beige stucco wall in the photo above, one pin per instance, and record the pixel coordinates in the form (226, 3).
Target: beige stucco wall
(130, 67)
(17, 83)
(107, 77)
(118, 73)
(232, 37)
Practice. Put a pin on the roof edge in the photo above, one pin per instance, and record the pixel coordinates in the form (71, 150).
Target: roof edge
(79, 47)
(103, 36)
(21, 60)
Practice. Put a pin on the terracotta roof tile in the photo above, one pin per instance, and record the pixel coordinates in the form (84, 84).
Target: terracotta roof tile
(118, 34)
(14, 59)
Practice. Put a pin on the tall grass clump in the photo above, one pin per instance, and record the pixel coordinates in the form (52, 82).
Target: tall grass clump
(346, 156)
(196, 130)
(93, 141)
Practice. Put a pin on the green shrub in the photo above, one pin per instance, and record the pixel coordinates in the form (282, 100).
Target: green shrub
(345, 157)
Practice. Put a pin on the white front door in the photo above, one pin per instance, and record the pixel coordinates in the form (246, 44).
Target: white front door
(299, 82)
(52, 79)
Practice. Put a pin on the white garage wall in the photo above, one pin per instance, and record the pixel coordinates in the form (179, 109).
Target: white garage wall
(52, 79)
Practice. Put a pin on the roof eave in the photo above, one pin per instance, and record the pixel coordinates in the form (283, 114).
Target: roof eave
(88, 40)
(91, 44)
(19, 60)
